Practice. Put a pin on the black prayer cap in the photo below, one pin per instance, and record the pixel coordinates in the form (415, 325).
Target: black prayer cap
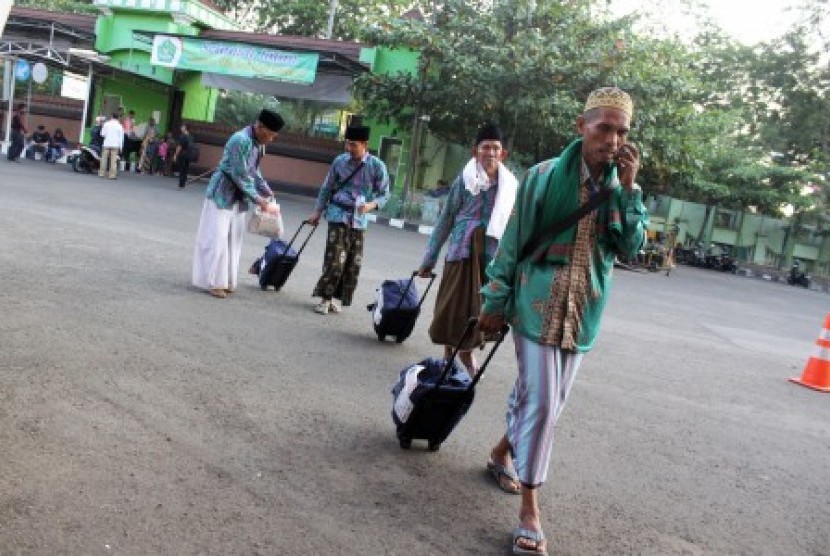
(356, 131)
(271, 120)
(489, 132)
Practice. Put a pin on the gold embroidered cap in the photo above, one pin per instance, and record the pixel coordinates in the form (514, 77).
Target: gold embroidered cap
(610, 97)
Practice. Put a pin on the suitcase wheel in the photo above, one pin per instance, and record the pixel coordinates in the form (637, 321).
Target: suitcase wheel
(381, 337)
(434, 446)
(399, 339)
(406, 443)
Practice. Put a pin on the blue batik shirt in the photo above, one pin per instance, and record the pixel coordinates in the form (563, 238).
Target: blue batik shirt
(369, 184)
(240, 161)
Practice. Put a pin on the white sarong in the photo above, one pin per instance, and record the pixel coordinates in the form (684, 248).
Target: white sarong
(218, 247)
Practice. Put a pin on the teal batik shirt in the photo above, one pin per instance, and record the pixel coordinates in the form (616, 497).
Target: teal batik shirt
(238, 178)
(369, 184)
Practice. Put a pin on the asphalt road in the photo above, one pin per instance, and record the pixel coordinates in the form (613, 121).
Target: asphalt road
(141, 416)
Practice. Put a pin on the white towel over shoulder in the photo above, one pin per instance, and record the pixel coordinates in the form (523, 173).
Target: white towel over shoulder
(476, 181)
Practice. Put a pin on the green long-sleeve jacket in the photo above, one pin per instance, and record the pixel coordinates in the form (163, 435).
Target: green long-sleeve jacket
(520, 290)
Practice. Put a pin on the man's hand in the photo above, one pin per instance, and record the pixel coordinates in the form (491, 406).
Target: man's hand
(425, 272)
(314, 219)
(490, 324)
(628, 163)
(367, 207)
(272, 207)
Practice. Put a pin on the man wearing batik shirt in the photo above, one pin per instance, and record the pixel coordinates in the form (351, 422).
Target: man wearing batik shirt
(235, 183)
(475, 213)
(356, 184)
(554, 298)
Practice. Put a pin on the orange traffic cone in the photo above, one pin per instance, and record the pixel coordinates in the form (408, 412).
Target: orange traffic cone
(816, 374)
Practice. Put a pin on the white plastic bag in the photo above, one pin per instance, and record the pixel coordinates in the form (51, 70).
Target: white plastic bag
(403, 403)
(264, 224)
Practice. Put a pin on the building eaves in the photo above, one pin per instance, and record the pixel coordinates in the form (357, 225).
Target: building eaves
(81, 23)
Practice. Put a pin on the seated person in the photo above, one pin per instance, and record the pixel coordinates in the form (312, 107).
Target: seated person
(57, 146)
(40, 142)
(441, 190)
(96, 141)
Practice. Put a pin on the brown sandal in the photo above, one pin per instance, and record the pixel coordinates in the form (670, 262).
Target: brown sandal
(218, 293)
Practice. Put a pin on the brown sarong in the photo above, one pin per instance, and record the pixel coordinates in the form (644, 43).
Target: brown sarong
(459, 299)
(341, 264)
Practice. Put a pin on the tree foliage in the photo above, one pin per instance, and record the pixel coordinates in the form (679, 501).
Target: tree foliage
(309, 18)
(71, 6)
(716, 121)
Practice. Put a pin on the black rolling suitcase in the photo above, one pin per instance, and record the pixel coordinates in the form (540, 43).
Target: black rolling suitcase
(279, 260)
(397, 307)
(432, 396)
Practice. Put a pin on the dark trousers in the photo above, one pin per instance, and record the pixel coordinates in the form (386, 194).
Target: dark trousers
(18, 140)
(184, 165)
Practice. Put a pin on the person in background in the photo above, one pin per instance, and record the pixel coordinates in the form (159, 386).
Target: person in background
(163, 153)
(442, 189)
(113, 135)
(357, 183)
(235, 183)
(476, 211)
(57, 146)
(554, 296)
(181, 158)
(18, 136)
(40, 142)
(96, 140)
(128, 123)
(149, 146)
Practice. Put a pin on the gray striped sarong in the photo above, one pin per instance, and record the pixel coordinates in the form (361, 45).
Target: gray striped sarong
(546, 374)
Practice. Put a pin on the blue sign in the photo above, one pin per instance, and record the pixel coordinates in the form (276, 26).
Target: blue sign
(22, 70)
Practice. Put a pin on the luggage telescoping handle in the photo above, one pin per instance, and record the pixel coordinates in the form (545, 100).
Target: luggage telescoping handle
(432, 276)
(471, 326)
(290, 243)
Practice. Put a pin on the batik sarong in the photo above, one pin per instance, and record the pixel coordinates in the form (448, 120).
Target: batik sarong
(341, 264)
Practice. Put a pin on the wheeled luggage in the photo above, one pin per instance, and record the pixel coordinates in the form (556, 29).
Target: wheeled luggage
(433, 395)
(280, 259)
(397, 307)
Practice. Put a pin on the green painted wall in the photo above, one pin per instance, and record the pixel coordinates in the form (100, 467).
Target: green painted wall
(114, 37)
(143, 97)
(386, 61)
(199, 101)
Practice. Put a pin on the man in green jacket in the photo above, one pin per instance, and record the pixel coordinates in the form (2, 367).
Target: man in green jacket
(554, 300)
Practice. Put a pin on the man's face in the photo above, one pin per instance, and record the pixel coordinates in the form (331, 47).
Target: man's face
(357, 148)
(489, 153)
(263, 134)
(603, 131)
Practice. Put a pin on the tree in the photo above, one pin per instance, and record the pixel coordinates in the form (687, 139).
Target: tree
(71, 6)
(529, 66)
(309, 18)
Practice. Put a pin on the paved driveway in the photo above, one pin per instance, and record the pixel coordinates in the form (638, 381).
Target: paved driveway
(140, 416)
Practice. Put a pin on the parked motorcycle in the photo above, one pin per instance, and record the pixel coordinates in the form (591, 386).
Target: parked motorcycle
(86, 160)
(798, 277)
(727, 263)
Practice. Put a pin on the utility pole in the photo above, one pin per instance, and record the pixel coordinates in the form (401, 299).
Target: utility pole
(332, 12)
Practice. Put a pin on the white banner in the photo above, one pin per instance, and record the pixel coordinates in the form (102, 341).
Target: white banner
(5, 8)
(74, 86)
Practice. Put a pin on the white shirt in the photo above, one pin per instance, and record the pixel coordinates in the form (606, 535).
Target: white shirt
(113, 135)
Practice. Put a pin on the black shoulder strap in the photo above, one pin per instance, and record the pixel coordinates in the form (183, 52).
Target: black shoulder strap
(342, 184)
(540, 242)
